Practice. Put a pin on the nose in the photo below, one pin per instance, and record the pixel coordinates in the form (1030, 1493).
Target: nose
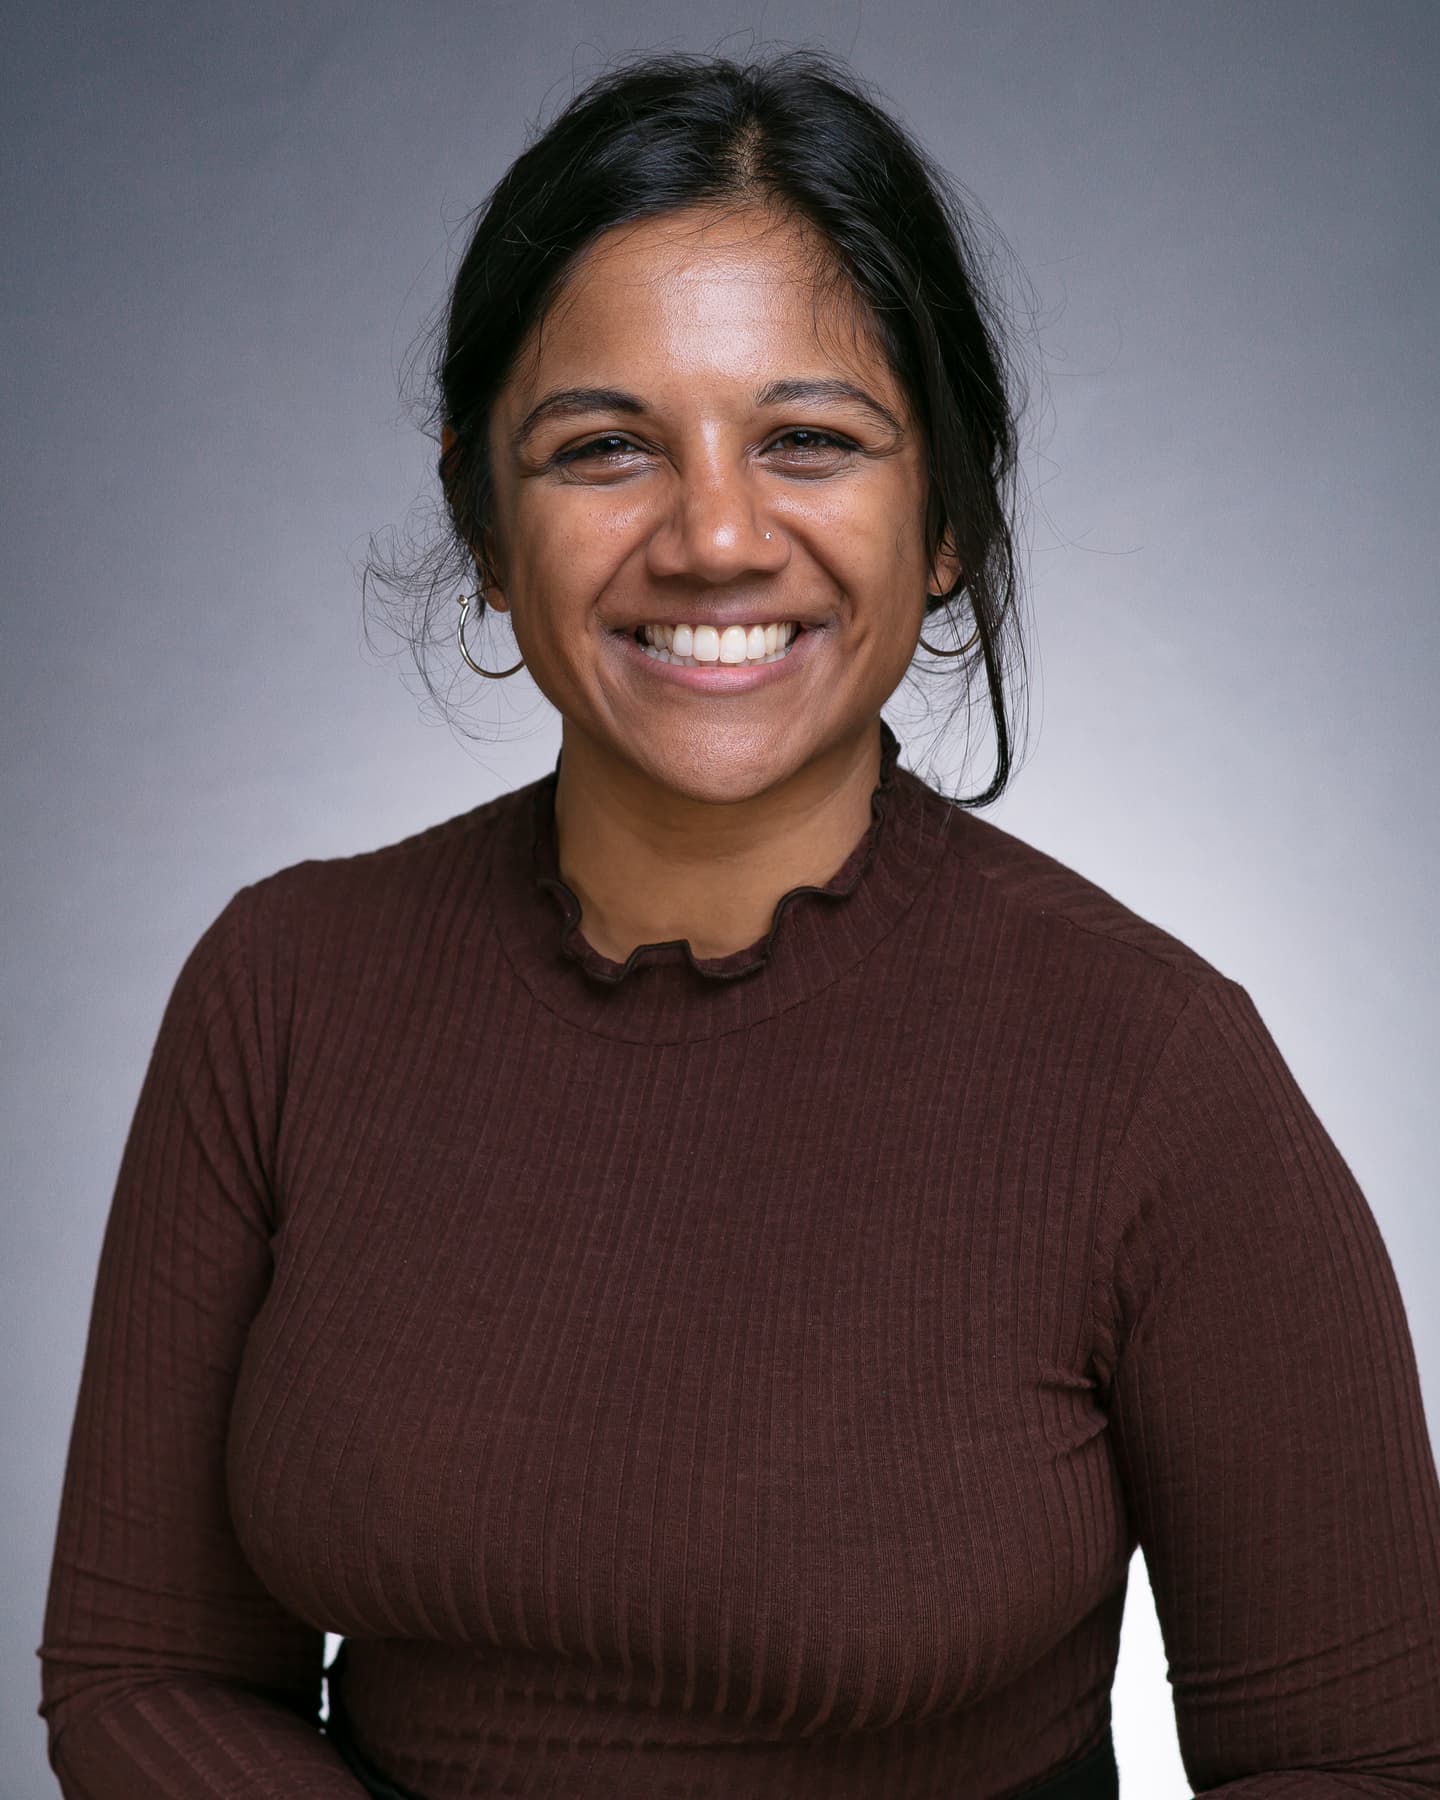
(714, 530)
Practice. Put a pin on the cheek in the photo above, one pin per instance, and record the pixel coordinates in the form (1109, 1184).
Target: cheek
(569, 540)
(871, 536)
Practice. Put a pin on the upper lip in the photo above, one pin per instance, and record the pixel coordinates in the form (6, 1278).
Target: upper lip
(720, 617)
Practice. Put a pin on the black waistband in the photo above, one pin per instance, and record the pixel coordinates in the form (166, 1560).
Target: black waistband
(1093, 1777)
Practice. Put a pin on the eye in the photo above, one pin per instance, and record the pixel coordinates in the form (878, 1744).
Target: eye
(813, 438)
(595, 449)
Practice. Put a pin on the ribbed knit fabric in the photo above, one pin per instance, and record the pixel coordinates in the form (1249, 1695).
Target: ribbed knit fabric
(746, 1378)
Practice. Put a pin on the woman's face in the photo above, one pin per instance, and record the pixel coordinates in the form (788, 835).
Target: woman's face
(702, 437)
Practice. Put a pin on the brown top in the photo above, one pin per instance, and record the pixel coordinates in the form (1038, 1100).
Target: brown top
(743, 1378)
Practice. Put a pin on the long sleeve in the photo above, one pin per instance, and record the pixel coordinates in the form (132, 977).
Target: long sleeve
(168, 1670)
(1265, 1409)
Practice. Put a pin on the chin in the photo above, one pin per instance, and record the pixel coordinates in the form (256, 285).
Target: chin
(726, 775)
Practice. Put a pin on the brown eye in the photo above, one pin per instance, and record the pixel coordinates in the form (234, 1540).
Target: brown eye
(597, 448)
(808, 441)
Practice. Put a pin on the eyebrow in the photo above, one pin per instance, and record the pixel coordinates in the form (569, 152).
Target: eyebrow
(567, 402)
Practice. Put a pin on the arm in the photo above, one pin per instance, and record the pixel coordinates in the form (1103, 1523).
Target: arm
(1266, 1415)
(167, 1669)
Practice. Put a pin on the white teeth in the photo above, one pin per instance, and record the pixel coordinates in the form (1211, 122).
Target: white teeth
(696, 645)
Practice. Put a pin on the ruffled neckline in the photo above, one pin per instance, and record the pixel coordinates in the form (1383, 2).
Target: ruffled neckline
(573, 944)
(820, 935)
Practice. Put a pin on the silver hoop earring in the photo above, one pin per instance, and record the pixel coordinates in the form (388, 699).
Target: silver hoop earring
(969, 643)
(463, 601)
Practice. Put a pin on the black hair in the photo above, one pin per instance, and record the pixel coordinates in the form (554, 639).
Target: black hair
(796, 132)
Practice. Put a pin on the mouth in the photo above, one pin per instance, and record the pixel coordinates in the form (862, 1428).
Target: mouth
(716, 662)
(702, 646)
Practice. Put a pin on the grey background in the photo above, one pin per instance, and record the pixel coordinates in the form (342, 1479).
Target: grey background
(224, 229)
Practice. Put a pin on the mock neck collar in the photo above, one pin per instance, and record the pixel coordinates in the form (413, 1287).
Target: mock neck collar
(663, 992)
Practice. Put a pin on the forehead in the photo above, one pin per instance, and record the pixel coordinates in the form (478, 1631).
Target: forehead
(704, 293)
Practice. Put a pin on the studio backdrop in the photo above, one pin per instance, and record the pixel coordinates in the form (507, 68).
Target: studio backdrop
(226, 230)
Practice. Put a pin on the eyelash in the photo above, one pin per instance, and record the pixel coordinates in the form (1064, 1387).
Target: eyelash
(582, 451)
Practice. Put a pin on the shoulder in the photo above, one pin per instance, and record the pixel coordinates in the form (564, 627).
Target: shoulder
(1023, 892)
(431, 875)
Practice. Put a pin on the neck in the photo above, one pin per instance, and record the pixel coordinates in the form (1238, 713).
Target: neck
(648, 864)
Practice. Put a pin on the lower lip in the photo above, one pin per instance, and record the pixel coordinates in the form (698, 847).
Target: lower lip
(723, 678)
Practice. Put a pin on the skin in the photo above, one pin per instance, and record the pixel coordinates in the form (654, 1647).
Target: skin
(681, 813)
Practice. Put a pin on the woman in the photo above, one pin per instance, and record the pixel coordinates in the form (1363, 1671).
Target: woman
(704, 1269)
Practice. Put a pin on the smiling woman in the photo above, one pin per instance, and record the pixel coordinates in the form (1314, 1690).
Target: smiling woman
(704, 1269)
(650, 474)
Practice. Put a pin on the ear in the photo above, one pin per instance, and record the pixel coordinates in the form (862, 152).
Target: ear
(495, 594)
(485, 554)
(945, 568)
